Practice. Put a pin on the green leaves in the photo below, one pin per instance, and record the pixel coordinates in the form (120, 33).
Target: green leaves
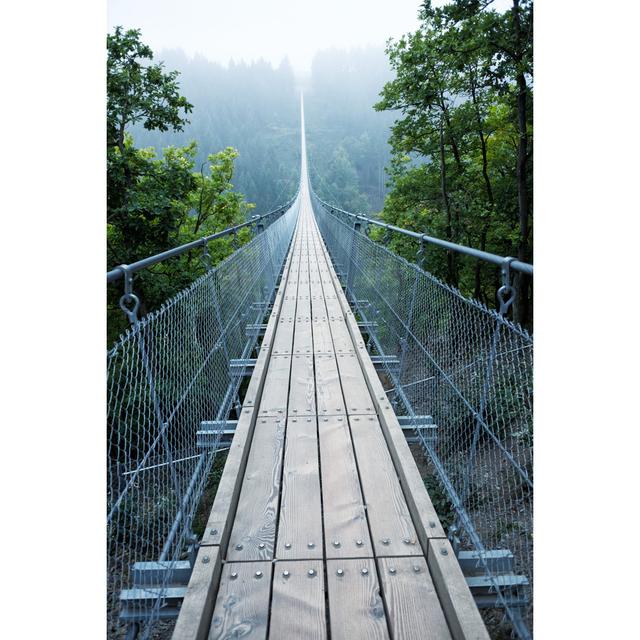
(461, 125)
(139, 93)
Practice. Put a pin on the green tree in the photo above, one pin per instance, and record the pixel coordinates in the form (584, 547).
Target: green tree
(139, 93)
(156, 203)
(461, 153)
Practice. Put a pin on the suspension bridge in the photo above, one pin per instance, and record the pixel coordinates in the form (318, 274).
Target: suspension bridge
(325, 366)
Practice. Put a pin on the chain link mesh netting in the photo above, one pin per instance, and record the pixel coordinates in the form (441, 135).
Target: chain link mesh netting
(166, 375)
(470, 369)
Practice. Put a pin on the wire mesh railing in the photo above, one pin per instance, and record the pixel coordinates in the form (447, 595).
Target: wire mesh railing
(166, 375)
(465, 371)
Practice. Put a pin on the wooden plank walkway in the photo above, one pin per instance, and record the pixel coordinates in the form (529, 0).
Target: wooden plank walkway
(321, 524)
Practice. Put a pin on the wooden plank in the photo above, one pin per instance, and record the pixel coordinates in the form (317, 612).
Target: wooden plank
(197, 606)
(302, 388)
(242, 605)
(412, 604)
(322, 340)
(356, 393)
(390, 521)
(328, 388)
(356, 610)
(300, 525)
(345, 520)
(298, 601)
(455, 596)
(276, 387)
(254, 527)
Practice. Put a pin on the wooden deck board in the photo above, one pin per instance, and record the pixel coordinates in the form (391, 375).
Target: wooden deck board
(242, 605)
(300, 525)
(411, 600)
(298, 601)
(355, 602)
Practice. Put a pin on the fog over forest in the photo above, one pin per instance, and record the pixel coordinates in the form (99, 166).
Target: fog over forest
(254, 108)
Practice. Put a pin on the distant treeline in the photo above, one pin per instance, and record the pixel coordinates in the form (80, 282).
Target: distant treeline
(254, 107)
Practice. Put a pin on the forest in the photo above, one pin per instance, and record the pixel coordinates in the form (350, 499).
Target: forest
(433, 133)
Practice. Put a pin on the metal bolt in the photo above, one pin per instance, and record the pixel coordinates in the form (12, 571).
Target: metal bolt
(432, 524)
(234, 575)
(340, 572)
(392, 569)
(285, 574)
(205, 560)
(359, 543)
(287, 545)
(406, 540)
(261, 545)
(444, 552)
(238, 547)
(386, 541)
(416, 568)
(336, 543)
(214, 532)
(258, 574)
(365, 571)
(311, 545)
(311, 573)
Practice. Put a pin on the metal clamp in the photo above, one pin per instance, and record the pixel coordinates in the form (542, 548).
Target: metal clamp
(206, 256)
(129, 301)
(506, 293)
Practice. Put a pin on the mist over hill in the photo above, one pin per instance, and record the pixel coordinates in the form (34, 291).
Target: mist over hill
(254, 107)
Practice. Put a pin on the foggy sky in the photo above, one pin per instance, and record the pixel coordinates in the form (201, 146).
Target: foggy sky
(271, 29)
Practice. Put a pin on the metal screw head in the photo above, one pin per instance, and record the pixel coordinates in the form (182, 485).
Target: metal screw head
(359, 543)
(340, 572)
(365, 571)
(285, 574)
(385, 541)
(238, 547)
(258, 574)
(392, 569)
(213, 532)
(205, 560)
(416, 568)
(432, 524)
(406, 540)
(336, 543)
(234, 575)
(261, 545)
(311, 545)
(311, 573)
(444, 552)
(287, 545)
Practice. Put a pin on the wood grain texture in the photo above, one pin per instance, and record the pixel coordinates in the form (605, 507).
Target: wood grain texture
(389, 517)
(302, 387)
(298, 601)
(276, 387)
(255, 519)
(197, 606)
(356, 611)
(328, 389)
(412, 604)
(300, 525)
(242, 604)
(345, 519)
(354, 387)
(455, 596)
